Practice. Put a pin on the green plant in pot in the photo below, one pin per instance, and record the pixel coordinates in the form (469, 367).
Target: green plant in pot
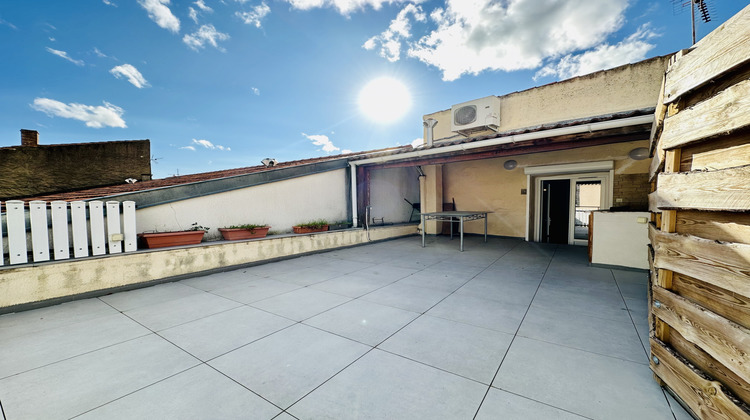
(320, 225)
(191, 236)
(246, 231)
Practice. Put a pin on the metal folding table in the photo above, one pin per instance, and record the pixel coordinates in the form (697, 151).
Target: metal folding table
(456, 217)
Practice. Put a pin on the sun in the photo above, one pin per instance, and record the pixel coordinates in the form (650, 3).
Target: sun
(384, 100)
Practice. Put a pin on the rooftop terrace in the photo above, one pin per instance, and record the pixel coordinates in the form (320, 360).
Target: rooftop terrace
(504, 330)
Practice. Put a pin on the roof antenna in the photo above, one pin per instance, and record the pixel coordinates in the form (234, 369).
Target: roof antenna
(703, 7)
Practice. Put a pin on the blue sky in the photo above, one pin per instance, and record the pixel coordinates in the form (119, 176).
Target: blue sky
(218, 84)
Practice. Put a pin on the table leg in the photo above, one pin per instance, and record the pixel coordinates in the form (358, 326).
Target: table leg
(461, 229)
(423, 229)
(485, 227)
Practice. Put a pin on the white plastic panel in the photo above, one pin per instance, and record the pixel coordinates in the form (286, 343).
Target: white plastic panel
(39, 230)
(60, 238)
(96, 219)
(80, 229)
(128, 224)
(113, 227)
(16, 222)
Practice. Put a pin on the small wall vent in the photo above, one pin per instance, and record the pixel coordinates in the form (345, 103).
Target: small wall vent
(477, 115)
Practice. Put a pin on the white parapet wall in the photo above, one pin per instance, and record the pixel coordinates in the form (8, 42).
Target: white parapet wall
(621, 239)
(52, 281)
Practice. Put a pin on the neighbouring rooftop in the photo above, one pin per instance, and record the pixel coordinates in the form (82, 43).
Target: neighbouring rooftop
(507, 329)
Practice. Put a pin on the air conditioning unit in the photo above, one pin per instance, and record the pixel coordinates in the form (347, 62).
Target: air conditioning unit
(477, 115)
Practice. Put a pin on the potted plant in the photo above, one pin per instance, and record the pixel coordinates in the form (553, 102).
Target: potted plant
(192, 236)
(248, 231)
(320, 225)
(342, 224)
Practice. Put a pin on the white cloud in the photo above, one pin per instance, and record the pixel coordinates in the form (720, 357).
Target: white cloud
(188, 148)
(109, 3)
(65, 55)
(419, 141)
(202, 5)
(255, 15)
(255, 90)
(8, 24)
(345, 151)
(94, 116)
(345, 7)
(631, 49)
(322, 140)
(193, 14)
(52, 39)
(160, 13)
(399, 29)
(477, 35)
(208, 145)
(99, 53)
(131, 73)
(206, 34)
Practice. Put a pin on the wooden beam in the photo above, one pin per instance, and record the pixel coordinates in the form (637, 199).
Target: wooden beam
(715, 225)
(706, 398)
(657, 164)
(730, 157)
(723, 265)
(724, 113)
(725, 189)
(724, 340)
(707, 364)
(724, 49)
(732, 306)
(659, 114)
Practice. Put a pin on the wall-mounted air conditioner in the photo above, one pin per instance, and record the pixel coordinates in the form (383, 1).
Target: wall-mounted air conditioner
(477, 115)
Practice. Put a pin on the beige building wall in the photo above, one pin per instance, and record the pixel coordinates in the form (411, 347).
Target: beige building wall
(388, 189)
(625, 88)
(279, 204)
(486, 185)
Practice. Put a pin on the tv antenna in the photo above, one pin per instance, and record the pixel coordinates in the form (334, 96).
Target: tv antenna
(702, 6)
(155, 159)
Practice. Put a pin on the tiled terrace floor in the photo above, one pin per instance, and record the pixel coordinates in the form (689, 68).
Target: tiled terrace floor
(504, 330)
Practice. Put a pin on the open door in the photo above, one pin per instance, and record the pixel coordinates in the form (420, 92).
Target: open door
(555, 211)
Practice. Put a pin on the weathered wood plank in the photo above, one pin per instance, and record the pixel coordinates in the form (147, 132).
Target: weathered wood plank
(725, 189)
(657, 164)
(706, 398)
(659, 114)
(716, 225)
(731, 306)
(724, 264)
(727, 152)
(724, 340)
(725, 48)
(724, 113)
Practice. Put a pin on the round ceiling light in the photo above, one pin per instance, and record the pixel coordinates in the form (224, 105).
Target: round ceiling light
(638, 153)
(510, 164)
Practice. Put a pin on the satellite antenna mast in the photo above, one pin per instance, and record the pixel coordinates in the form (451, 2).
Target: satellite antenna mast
(701, 5)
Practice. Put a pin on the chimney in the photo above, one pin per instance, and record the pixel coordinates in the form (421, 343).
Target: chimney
(29, 138)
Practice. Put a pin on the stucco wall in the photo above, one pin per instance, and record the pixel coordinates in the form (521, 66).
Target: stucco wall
(388, 188)
(486, 185)
(35, 170)
(624, 88)
(279, 204)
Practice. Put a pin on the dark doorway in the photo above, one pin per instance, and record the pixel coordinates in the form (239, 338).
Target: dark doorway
(555, 211)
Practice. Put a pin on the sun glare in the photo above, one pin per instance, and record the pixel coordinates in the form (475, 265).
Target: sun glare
(384, 100)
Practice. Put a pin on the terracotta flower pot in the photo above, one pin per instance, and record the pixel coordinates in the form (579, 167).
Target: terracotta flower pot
(234, 234)
(300, 229)
(165, 239)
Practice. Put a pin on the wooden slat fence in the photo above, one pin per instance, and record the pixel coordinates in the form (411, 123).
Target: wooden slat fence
(699, 297)
(78, 226)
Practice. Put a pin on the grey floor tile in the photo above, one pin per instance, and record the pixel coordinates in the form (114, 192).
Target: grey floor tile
(518, 292)
(446, 282)
(126, 301)
(175, 398)
(573, 329)
(28, 322)
(385, 271)
(73, 386)
(255, 290)
(366, 322)
(301, 304)
(680, 413)
(591, 303)
(385, 386)
(480, 312)
(352, 285)
(403, 296)
(285, 366)
(343, 266)
(463, 349)
(285, 416)
(594, 386)
(306, 276)
(415, 262)
(219, 280)
(457, 268)
(220, 333)
(168, 314)
(51, 345)
(503, 405)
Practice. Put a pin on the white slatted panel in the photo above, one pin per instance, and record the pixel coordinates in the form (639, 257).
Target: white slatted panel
(60, 238)
(128, 223)
(113, 227)
(16, 231)
(96, 218)
(80, 229)
(2, 250)
(39, 230)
